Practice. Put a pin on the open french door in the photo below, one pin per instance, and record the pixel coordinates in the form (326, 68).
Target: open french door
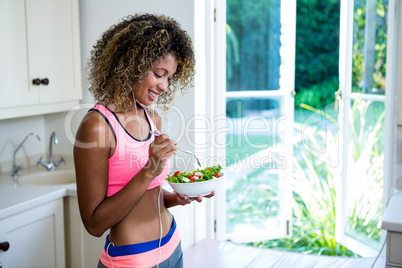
(255, 51)
(365, 120)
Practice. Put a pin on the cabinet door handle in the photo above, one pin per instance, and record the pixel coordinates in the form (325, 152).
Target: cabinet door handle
(45, 81)
(36, 81)
(4, 246)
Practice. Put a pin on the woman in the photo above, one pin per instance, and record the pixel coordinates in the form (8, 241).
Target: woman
(120, 166)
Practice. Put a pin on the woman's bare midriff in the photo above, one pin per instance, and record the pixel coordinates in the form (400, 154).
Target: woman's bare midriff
(142, 223)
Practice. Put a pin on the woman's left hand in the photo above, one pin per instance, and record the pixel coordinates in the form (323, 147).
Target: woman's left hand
(185, 199)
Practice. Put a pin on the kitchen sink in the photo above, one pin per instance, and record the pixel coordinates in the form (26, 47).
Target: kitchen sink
(49, 177)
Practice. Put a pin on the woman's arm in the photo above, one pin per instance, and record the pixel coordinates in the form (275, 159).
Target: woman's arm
(93, 147)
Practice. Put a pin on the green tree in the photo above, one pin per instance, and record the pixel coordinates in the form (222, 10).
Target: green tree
(317, 51)
(253, 32)
(377, 80)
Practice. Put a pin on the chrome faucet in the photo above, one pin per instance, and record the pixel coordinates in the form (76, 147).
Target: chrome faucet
(19, 167)
(50, 165)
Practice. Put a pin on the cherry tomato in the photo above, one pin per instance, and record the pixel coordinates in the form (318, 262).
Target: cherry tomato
(176, 173)
(193, 178)
(217, 175)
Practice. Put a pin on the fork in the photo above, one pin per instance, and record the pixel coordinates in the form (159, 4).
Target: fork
(184, 151)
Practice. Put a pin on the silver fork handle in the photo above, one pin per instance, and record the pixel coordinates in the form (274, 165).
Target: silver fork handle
(190, 153)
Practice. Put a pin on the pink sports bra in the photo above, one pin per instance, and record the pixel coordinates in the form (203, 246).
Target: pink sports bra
(130, 155)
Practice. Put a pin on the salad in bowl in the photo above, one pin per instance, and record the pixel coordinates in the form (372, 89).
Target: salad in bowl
(199, 182)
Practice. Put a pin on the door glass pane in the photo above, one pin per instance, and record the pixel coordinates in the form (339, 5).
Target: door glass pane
(369, 46)
(365, 171)
(255, 163)
(253, 33)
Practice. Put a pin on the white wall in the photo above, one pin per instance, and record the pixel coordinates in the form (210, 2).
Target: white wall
(12, 133)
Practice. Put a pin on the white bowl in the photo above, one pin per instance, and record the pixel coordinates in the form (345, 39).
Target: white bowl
(194, 189)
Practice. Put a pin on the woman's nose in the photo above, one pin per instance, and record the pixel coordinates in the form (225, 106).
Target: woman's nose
(163, 85)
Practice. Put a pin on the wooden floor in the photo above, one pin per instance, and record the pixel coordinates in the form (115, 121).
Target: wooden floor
(216, 254)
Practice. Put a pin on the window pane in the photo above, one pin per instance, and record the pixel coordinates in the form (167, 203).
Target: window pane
(253, 33)
(369, 46)
(255, 163)
(365, 172)
(253, 202)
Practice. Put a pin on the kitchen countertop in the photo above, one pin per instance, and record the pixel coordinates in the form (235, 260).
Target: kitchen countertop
(392, 220)
(16, 197)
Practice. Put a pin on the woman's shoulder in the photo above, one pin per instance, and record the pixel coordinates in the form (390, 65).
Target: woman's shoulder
(92, 124)
(92, 117)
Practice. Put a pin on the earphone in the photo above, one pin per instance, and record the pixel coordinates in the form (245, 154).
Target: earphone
(160, 186)
(159, 203)
(107, 252)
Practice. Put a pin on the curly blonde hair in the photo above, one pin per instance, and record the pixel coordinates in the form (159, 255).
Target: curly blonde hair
(122, 57)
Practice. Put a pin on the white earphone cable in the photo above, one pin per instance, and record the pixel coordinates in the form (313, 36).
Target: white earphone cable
(138, 118)
(160, 224)
(160, 186)
(159, 209)
(107, 252)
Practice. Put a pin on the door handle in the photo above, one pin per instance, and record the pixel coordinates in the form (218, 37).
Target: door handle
(4, 246)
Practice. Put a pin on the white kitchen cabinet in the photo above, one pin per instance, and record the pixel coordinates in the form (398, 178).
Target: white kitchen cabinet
(82, 249)
(36, 237)
(394, 246)
(392, 222)
(40, 69)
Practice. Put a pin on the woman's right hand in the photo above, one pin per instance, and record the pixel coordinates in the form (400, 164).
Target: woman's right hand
(160, 150)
